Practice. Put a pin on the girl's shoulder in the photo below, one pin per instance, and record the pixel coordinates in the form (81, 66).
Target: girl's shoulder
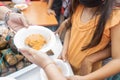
(114, 19)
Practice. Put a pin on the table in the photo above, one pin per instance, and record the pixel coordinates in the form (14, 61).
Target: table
(36, 14)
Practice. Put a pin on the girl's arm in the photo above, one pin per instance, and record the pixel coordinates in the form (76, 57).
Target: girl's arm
(87, 63)
(65, 45)
(113, 67)
(50, 11)
(63, 26)
(101, 55)
(50, 3)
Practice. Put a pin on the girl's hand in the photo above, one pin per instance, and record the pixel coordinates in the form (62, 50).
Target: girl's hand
(86, 67)
(16, 21)
(40, 59)
(63, 56)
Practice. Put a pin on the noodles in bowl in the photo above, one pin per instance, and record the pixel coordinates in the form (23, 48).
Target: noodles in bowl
(36, 37)
(35, 41)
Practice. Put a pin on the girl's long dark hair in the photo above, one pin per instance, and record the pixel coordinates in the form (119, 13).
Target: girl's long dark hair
(105, 10)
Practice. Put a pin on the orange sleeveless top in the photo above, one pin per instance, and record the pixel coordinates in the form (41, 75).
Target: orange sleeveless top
(81, 35)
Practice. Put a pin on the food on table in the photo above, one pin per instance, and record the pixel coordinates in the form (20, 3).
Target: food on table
(26, 61)
(35, 41)
(19, 57)
(9, 56)
(3, 42)
(4, 31)
(12, 45)
(11, 60)
(11, 69)
(3, 67)
(20, 65)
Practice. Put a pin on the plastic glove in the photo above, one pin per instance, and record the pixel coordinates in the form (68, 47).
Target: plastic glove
(16, 21)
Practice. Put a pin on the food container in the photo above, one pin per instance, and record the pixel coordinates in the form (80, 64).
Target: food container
(22, 34)
(18, 1)
(28, 73)
(21, 6)
(63, 67)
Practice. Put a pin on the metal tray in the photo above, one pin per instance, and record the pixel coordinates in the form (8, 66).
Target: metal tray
(32, 72)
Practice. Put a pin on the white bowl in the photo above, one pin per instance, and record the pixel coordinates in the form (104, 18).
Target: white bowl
(64, 66)
(18, 1)
(6, 78)
(20, 36)
(21, 6)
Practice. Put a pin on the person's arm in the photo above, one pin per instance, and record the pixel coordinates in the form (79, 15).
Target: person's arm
(65, 46)
(101, 55)
(50, 3)
(3, 11)
(15, 21)
(50, 11)
(62, 26)
(43, 61)
(87, 63)
(113, 67)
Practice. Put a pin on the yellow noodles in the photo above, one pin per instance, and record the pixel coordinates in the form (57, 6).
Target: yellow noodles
(36, 41)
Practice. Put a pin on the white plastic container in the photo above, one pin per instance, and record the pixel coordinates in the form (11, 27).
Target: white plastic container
(64, 67)
(20, 36)
(28, 73)
(18, 1)
(21, 6)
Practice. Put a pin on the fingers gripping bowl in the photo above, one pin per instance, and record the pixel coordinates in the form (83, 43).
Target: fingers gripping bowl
(45, 34)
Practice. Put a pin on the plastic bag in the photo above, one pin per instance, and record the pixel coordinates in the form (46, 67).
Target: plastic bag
(3, 42)
(9, 56)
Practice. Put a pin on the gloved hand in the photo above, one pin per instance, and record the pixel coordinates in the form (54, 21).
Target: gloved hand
(16, 21)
